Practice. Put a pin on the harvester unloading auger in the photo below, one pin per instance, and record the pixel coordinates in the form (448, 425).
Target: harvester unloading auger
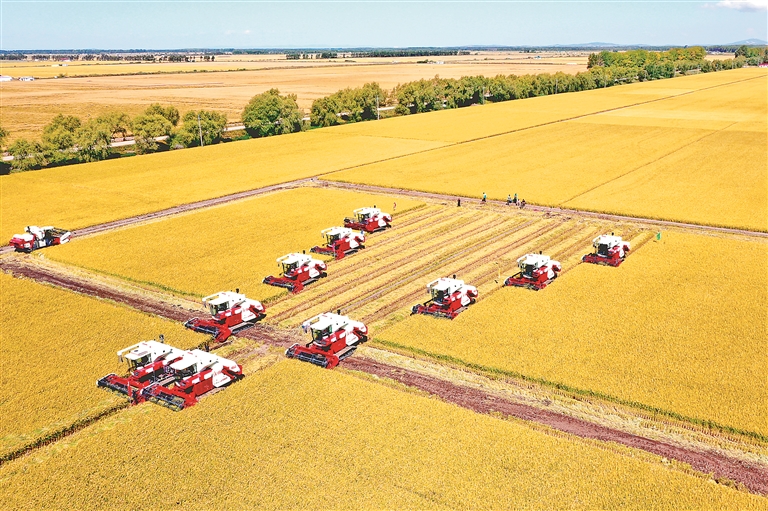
(448, 298)
(299, 270)
(340, 241)
(35, 237)
(230, 312)
(368, 220)
(609, 250)
(536, 272)
(169, 376)
(334, 338)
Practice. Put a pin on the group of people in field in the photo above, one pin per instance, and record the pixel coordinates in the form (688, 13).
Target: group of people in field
(520, 203)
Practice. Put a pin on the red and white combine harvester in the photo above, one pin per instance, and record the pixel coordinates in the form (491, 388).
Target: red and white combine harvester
(368, 220)
(609, 249)
(334, 338)
(448, 297)
(169, 376)
(536, 271)
(340, 241)
(230, 312)
(35, 237)
(299, 270)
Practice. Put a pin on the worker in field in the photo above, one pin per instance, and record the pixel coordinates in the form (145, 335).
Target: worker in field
(514, 200)
(509, 199)
(394, 207)
(484, 197)
(458, 203)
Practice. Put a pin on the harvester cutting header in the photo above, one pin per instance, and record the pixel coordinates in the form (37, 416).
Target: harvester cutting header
(448, 298)
(334, 338)
(536, 272)
(169, 376)
(35, 237)
(230, 312)
(369, 220)
(340, 241)
(299, 270)
(609, 250)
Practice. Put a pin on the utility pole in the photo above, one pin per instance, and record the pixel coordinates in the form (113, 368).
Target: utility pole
(555, 85)
(377, 107)
(200, 130)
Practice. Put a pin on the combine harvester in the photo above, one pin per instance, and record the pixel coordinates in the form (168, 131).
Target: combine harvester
(299, 270)
(536, 272)
(230, 312)
(369, 220)
(609, 250)
(169, 376)
(339, 242)
(448, 298)
(35, 237)
(334, 338)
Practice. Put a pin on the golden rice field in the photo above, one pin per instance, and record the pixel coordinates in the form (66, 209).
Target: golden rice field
(698, 157)
(272, 441)
(55, 345)
(78, 196)
(680, 327)
(226, 247)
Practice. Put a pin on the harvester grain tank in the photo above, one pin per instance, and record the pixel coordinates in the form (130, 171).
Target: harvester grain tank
(609, 250)
(334, 338)
(230, 312)
(340, 241)
(536, 272)
(368, 220)
(35, 237)
(448, 298)
(299, 270)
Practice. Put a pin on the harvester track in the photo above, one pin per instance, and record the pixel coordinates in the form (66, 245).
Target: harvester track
(752, 476)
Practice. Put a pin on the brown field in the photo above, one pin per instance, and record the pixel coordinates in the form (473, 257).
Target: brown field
(27, 106)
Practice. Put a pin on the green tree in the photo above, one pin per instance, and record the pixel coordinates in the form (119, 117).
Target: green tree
(59, 137)
(26, 155)
(170, 112)
(3, 135)
(146, 128)
(116, 122)
(211, 125)
(742, 51)
(93, 141)
(272, 114)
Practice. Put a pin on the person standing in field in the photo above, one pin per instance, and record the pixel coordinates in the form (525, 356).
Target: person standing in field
(394, 207)
(514, 200)
(484, 197)
(509, 199)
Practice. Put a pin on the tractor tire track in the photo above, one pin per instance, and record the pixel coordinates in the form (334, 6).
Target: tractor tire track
(753, 476)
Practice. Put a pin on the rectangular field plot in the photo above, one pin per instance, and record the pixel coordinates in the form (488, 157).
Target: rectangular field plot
(77, 196)
(225, 247)
(679, 326)
(55, 345)
(272, 440)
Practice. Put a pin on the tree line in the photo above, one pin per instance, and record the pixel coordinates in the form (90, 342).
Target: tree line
(67, 139)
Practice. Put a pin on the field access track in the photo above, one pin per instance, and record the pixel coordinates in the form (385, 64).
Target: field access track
(752, 476)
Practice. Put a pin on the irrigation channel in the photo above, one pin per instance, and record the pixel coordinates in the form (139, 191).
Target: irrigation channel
(722, 464)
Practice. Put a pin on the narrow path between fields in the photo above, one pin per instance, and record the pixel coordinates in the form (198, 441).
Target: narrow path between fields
(752, 475)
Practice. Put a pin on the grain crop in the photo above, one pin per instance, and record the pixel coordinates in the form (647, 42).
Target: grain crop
(679, 327)
(281, 436)
(55, 345)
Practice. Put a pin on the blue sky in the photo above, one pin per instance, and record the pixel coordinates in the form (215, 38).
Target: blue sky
(156, 24)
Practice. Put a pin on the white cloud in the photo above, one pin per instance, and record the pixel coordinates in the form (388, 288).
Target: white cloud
(744, 5)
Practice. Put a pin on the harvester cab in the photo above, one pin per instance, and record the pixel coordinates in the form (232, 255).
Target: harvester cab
(195, 373)
(230, 312)
(340, 241)
(609, 250)
(368, 220)
(148, 363)
(536, 272)
(299, 270)
(448, 298)
(35, 237)
(334, 338)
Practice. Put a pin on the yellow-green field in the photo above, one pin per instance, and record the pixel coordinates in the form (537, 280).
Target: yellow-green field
(698, 157)
(680, 326)
(295, 436)
(227, 247)
(55, 345)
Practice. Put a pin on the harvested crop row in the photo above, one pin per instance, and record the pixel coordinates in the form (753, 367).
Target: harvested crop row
(395, 445)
